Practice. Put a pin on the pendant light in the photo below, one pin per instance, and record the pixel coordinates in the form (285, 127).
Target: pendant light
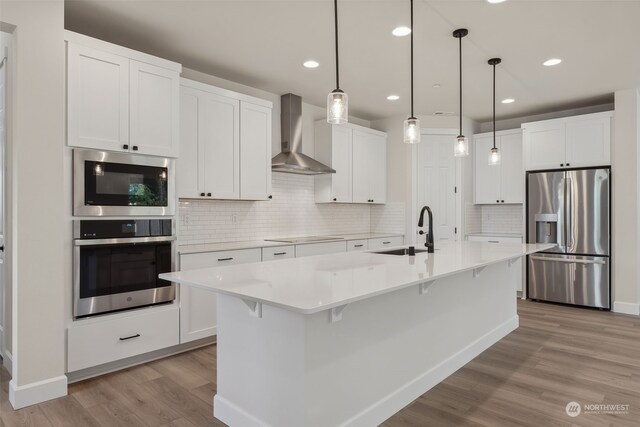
(337, 100)
(494, 154)
(462, 142)
(412, 125)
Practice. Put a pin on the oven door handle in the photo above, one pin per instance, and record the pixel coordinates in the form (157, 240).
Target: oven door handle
(121, 240)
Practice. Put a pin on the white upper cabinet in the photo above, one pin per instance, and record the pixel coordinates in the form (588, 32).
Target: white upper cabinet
(503, 183)
(577, 141)
(226, 144)
(359, 156)
(154, 109)
(121, 100)
(255, 151)
(97, 98)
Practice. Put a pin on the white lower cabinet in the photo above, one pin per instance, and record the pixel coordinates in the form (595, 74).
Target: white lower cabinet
(278, 252)
(198, 306)
(310, 249)
(92, 342)
(385, 242)
(357, 245)
(503, 239)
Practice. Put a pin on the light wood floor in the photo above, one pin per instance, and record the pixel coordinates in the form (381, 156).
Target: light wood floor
(559, 354)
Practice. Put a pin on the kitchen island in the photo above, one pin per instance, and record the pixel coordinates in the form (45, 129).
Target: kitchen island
(349, 339)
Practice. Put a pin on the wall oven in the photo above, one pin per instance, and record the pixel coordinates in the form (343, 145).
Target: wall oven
(120, 184)
(117, 263)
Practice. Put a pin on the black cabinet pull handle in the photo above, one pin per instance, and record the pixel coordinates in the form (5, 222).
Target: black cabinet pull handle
(335, 199)
(130, 338)
(270, 197)
(201, 194)
(358, 246)
(2, 248)
(125, 147)
(135, 148)
(493, 241)
(497, 201)
(225, 259)
(568, 164)
(208, 194)
(280, 253)
(561, 164)
(385, 243)
(501, 201)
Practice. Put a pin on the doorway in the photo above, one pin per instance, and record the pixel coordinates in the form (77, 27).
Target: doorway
(438, 184)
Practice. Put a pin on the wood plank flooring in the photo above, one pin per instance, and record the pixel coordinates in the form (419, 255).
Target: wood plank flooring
(559, 354)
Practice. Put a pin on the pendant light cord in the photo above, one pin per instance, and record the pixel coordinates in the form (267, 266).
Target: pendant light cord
(460, 85)
(412, 58)
(335, 10)
(494, 106)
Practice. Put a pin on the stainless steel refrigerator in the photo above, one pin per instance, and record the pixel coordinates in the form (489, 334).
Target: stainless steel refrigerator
(570, 208)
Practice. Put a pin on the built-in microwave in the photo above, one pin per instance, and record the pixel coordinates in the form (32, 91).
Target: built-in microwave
(119, 184)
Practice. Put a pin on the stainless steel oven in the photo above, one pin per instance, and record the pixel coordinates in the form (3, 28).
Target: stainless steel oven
(119, 184)
(117, 263)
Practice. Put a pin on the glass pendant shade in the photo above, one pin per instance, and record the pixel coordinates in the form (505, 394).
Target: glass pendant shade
(337, 107)
(411, 131)
(462, 146)
(494, 157)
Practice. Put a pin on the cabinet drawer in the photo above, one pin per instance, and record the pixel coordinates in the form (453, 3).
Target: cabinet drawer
(385, 242)
(357, 245)
(219, 259)
(320, 248)
(278, 252)
(103, 341)
(494, 239)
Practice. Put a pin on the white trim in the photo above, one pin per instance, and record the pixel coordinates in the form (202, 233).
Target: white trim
(499, 133)
(375, 414)
(626, 308)
(41, 391)
(81, 39)
(7, 361)
(224, 92)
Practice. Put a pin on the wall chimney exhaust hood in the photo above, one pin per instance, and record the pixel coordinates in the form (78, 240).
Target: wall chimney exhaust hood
(291, 159)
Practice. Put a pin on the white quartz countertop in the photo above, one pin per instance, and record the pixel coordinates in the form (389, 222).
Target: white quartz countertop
(231, 246)
(312, 284)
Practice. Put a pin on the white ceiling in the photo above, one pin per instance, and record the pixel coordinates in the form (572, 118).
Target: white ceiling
(263, 43)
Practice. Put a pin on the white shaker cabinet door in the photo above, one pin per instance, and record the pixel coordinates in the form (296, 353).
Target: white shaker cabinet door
(341, 151)
(97, 99)
(511, 169)
(487, 178)
(588, 141)
(187, 165)
(255, 152)
(219, 146)
(378, 169)
(361, 162)
(545, 145)
(155, 106)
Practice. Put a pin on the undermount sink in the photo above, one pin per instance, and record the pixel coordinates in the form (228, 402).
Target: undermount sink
(403, 251)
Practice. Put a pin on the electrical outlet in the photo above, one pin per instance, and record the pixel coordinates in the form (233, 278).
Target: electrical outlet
(234, 218)
(185, 219)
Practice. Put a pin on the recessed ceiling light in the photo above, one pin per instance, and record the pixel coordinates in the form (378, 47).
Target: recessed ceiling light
(508, 101)
(401, 31)
(551, 62)
(311, 64)
(393, 97)
(437, 86)
(495, 1)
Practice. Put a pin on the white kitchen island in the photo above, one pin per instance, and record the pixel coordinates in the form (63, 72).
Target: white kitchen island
(349, 339)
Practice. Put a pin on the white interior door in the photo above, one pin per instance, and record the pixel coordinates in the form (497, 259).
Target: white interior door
(437, 184)
(3, 139)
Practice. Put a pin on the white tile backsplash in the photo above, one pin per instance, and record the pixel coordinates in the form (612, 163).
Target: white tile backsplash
(291, 212)
(501, 218)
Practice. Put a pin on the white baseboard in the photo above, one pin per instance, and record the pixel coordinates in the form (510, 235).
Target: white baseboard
(394, 402)
(41, 391)
(7, 361)
(626, 308)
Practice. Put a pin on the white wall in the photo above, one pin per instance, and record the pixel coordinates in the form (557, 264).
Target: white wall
(625, 160)
(36, 141)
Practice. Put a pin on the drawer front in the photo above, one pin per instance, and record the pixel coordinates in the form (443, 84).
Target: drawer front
(386, 242)
(278, 252)
(357, 245)
(219, 259)
(494, 239)
(320, 248)
(105, 341)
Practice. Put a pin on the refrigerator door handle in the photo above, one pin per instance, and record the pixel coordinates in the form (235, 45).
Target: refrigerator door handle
(569, 214)
(569, 261)
(562, 225)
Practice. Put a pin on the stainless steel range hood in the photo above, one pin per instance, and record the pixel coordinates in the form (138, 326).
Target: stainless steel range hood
(291, 159)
